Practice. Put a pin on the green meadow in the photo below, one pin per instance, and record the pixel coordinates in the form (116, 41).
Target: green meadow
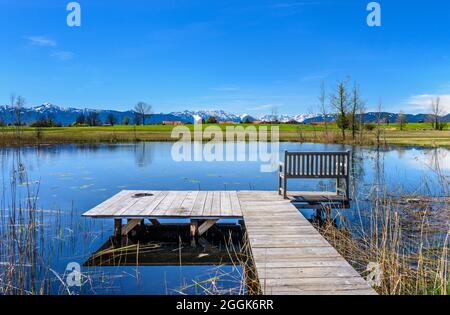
(385, 134)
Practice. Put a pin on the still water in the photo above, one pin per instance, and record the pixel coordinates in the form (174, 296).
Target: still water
(67, 180)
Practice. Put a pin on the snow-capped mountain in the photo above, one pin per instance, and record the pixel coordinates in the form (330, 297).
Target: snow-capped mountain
(68, 115)
(247, 118)
(286, 118)
(220, 115)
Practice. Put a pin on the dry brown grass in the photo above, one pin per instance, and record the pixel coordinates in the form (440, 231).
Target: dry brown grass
(409, 242)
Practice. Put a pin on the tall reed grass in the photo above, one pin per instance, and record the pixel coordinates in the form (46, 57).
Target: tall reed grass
(401, 242)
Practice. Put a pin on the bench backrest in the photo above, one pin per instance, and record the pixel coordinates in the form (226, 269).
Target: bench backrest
(316, 164)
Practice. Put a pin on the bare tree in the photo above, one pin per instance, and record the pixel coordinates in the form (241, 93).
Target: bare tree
(401, 120)
(17, 102)
(340, 101)
(274, 115)
(379, 116)
(111, 119)
(323, 106)
(142, 110)
(355, 104)
(436, 113)
(93, 119)
(81, 119)
(361, 117)
(137, 119)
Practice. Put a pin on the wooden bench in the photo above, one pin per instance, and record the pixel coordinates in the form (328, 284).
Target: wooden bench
(315, 165)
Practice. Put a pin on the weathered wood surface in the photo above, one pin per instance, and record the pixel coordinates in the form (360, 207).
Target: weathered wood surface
(315, 196)
(171, 204)
(290, 256)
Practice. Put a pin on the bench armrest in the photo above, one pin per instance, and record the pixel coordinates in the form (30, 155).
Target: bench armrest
(281, 167)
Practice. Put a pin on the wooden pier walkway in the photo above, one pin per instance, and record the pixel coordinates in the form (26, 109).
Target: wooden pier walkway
(290, 256)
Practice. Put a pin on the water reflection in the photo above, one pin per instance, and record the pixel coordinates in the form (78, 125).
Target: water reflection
(171, 245)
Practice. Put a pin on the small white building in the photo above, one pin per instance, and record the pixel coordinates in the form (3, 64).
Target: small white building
(197, 119)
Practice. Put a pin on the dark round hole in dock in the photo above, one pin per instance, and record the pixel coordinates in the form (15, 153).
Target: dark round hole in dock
(140, 195)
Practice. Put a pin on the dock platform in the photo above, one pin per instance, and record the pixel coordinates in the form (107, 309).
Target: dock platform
(289, 254)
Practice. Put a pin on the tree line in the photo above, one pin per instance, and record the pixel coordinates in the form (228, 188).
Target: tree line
(141, 111)
(345, 106)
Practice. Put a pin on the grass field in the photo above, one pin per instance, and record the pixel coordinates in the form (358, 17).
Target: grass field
(420, 134)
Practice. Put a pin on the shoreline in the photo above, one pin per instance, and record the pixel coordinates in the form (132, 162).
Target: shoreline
(10, 137)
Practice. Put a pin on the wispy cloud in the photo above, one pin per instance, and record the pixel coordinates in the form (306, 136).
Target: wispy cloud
(293, 4)
(422, 102)
(62, 55)
(225, 89)
(47, 42)
(263, 107)
(42, 41)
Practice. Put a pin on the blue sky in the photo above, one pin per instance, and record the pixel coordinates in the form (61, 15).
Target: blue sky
(242, 56)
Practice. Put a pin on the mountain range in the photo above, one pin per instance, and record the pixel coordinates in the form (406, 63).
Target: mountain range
(68, 115)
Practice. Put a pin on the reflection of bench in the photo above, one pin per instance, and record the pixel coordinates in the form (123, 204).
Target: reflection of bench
(315, 165)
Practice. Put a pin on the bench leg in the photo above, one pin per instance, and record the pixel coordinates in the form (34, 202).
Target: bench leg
(285, 187)
(279, 184)
(347, 188)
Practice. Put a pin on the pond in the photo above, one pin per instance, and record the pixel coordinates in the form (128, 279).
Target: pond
(67, 180)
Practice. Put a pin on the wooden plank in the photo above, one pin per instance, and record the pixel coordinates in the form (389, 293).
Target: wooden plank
(188, 203)
(127, 204)
(290, 256)
(143, 205)
(151, 207)
(235, 204)
(339, 271)
(163, 207)
(199, 204)
(225, 204)
(205, 226)
(215, 209)
(130, 226)
(111, 205)
(336, 282)
(106, 205)
(207, 209)
(175, 206)
(287, 242)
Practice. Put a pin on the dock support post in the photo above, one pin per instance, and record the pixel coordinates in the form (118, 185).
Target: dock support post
(285, 176)
(155, 222)
(117, 239)
(193, 232)
(280, 170)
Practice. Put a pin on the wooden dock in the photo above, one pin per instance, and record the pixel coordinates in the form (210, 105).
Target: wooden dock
(289, 255)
